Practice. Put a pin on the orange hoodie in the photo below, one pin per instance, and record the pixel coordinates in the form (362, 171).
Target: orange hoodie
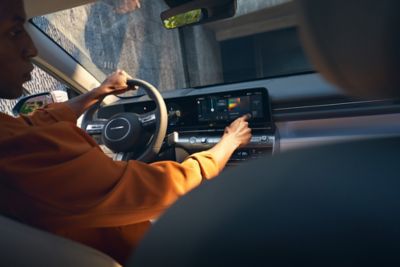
(54, 176)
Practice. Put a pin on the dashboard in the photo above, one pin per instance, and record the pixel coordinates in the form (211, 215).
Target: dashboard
(196, 122)
(307, 111)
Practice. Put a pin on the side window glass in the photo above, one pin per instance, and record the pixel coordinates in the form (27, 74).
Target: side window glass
(41, 82)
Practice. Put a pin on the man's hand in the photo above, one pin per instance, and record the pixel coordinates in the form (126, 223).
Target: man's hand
(238, 132)
(114, 84)
(125, 6)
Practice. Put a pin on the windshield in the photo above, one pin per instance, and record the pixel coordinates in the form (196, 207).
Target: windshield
(107, 35)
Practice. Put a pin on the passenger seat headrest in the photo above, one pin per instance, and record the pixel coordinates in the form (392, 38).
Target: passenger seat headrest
(355, 44)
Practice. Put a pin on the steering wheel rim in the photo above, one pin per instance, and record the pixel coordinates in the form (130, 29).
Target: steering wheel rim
(161, 121)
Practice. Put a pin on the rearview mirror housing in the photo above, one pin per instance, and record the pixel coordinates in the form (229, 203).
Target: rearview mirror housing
(198, 12)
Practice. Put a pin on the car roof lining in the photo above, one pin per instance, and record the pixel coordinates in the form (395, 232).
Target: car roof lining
(35, 8)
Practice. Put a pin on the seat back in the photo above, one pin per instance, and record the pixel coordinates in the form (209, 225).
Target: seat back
(22, 245)
(354, 44)
(336, 205)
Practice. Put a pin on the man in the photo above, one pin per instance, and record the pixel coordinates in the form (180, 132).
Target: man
(55, 177)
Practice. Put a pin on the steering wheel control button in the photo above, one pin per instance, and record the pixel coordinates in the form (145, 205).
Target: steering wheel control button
(94, 128)
(148, 119)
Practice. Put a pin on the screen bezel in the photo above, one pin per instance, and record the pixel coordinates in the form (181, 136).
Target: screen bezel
(265, 120)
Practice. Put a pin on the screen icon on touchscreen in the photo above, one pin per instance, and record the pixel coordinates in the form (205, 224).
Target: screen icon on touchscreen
(238, 106)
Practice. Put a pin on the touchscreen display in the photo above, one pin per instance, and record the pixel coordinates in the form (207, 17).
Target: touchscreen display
(229, 107)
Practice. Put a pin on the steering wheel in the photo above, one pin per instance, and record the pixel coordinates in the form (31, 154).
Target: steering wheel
(128, 133)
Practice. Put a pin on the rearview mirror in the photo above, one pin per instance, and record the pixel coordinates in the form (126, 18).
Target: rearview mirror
(29, 104)
(198, 12)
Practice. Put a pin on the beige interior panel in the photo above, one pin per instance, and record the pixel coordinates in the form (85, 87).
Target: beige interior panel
(306, 133)
(35, 8)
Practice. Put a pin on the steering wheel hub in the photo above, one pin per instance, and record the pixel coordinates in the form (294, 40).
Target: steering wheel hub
(117, 129)
(122, 132)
